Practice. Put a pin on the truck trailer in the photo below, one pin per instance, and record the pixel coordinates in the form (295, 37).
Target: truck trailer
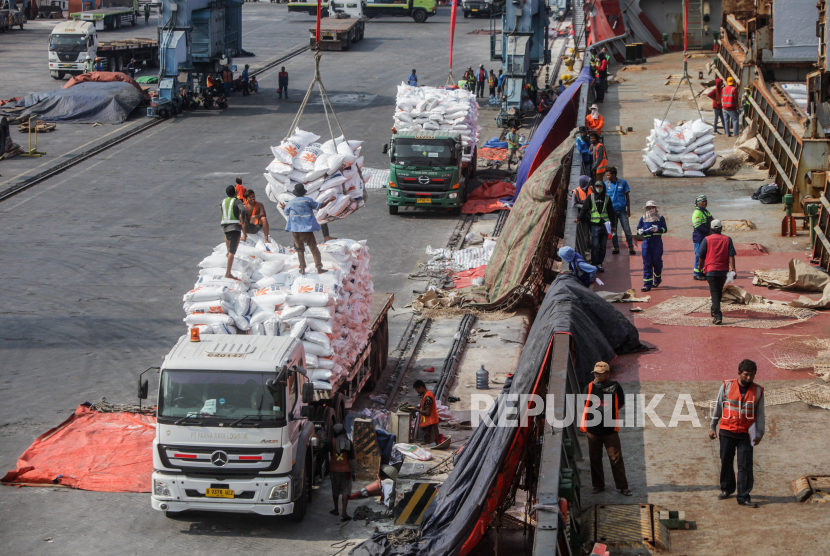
(109, 14)
(239, 423)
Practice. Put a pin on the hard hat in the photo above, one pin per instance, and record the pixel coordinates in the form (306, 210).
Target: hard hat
(730, 81)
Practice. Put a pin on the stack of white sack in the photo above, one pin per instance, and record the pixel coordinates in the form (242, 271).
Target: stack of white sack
(327, 171)
(438, 110)
(683, 151)
(329, 312)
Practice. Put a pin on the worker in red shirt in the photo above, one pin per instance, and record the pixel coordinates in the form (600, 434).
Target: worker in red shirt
(716, 95)
(240, 190)
(729, 98)
(428, 411)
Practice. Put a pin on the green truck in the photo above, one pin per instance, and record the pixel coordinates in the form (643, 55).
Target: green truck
(418, 10)
(428, 170)
(109, 14)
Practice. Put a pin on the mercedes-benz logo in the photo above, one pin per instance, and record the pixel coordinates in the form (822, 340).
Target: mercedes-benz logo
(423, 180)
(219, 458)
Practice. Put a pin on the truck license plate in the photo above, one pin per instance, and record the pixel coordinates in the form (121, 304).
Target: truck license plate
(427, 201)
(218, 493)
(474, 9)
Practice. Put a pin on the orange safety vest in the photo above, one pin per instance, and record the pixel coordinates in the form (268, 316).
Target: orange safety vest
(432, 418)
(338, 462)
(729, 96)
(255, 213)
(583, 423)
(210, 81)
(492, 80)
(603, 162)
(580, 195)
(739, 413)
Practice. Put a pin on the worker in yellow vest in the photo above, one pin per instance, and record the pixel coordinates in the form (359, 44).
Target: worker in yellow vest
(598, 210)
(233, 224)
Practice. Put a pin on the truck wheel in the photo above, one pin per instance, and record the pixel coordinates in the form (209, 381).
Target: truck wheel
(301, 503)
(419, 16)
(393, 210)
(466, 15)
(347, 44)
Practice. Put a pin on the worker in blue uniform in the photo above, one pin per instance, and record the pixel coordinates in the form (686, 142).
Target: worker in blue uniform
(652, 226)
(583, 271)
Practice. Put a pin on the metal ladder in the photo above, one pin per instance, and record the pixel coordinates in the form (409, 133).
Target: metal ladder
(695, 24)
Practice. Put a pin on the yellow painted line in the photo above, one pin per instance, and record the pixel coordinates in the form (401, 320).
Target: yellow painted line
(416, 496)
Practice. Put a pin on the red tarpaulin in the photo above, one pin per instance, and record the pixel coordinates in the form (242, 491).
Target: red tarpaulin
(109, 452)
(464, 279)
(486, 197)
(105, 77)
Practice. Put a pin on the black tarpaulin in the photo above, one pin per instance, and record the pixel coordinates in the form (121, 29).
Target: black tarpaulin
(598, 331)
(85, 103)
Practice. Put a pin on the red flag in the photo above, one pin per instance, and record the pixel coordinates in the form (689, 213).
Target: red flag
(452, 30)
(319, 10)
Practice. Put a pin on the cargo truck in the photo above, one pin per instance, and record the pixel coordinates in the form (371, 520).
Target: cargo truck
(427, 170)
(239, 423)
(345, 26)
(11, 15)
(72, 43)
(418, 10)
(486, 8)
(109, 14)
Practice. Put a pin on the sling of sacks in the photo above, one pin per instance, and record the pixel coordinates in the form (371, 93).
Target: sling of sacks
(431, 109)
(328, 312)
(327, 171)
(683, 151)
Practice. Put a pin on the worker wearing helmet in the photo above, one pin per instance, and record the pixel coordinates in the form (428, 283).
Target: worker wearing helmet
(701, 220)
(729, 97)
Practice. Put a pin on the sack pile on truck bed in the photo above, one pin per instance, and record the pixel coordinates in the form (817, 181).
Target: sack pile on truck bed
(328, 312)
(328, 171)
(438, 110)
(682, 151)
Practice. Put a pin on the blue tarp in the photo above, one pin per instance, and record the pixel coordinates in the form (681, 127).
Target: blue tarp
(545, 136)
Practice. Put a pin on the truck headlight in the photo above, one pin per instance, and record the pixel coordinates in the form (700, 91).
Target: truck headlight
(279, 492)
(452, 195)
(160, 488)
(395, 193)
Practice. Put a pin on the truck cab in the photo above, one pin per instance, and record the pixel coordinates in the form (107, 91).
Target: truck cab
(232, 432)
(71, 44)
(488, 8)
(427, 170)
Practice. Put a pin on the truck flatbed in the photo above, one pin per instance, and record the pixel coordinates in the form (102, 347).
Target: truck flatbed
(338, 33)
(101, 12)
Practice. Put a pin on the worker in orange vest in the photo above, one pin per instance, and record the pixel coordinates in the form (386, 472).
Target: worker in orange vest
(240, 189)
(594, 121)
(740, 410)
(227, 80)
(729, 99)
(428, 411)
(603, 392)
(255, 213)
(599, 156)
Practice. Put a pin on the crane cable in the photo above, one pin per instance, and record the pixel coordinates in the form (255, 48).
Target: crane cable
(685, 77)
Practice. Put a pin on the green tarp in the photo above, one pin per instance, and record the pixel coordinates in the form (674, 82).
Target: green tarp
(148, 79)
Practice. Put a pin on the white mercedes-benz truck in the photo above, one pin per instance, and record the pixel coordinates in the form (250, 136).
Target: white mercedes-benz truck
(233, 431)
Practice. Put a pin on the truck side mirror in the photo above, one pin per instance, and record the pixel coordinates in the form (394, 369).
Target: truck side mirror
(143, 389)
(308, 392)
(304, 412)
(386, 149)
(273, 386)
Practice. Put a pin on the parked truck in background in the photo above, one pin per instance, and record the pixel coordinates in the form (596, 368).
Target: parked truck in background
(486, 8)
(427, 170)
(11, 15)
(72, 43)
(345, 25)
(418, 10)
(239, 423)
(109, 14)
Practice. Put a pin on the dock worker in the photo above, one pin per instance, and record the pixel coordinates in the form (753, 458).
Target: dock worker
(131, 68)
(718, 255)
(255, 213)
(227, 80)
(233, 224)
(746, 105)
(146, 13)
(583, 271)
(716, 94)
(500, 83)
(606, 434)
(701, 222)
(99, 65)
(618, 189)
(283, 83)
(601, 82)
(302, 224)
(583, 145)
(652, 226)
(342, 468)
(512, 145)
(560, 88)
(594, 121)
(245, 90)
(240, 189)
(599, 158)
(729, 97)
(599, 211)
(428, 412)
(583, 229)
(492, 80)
(740, 411)
(413, 78)
(87, 65)
(481, 78)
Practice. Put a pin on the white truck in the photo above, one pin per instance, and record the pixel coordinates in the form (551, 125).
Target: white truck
(239, 423)
(73, 43)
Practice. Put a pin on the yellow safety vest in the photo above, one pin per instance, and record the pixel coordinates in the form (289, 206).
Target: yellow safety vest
(227, 211)
(598, 215)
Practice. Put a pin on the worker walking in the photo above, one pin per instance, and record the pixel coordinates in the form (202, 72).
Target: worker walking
(607, 393)
(652, 226)
(233, 224)
(282, 83)
(718, 255)
(481, 78)
(146, 13)
(512, 145)
(428, 411)
(302, 224)
(716, 94)
(255, 213)
(583, 271)
(599, 159)
(583, 145)
(618, 190)
(131, 68)
(740, 411)
(746, 105)
(729, 97)
(583, 229)
(342, 469)
(599, 211)
(413, 79)
(594, 121)
(701, 221)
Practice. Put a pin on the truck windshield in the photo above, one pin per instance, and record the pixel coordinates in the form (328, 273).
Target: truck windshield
(67, 43)
(218, 395)
(421, 152)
